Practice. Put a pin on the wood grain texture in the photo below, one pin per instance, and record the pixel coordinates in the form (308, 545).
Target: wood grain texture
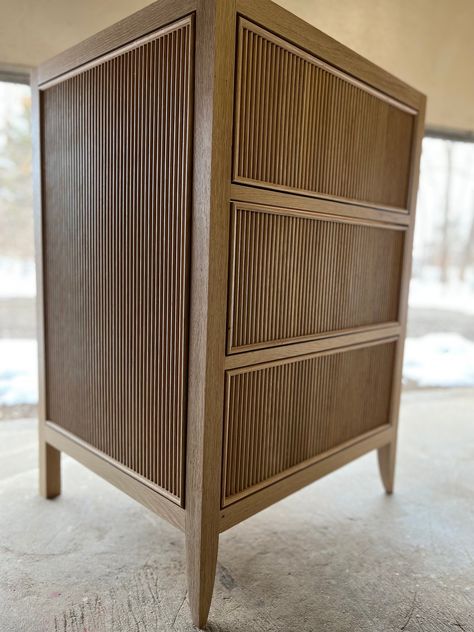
(327, 463)
(215, 54)
(340, 340)
(49, 468)
(387, 456)
(386, 461)
(139, 489)
(49, 459)
(302, 125)
(116, 206)
(296, 276)
(281, 415)
(331, 208)
(278, 20)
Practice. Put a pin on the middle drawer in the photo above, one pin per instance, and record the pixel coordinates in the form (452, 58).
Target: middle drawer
(297, 275)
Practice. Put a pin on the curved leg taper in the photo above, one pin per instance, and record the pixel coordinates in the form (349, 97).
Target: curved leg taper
(201, 554)
(387, 456)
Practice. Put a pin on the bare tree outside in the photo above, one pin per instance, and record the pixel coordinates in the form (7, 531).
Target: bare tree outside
(440, 346)
(16, 217)
(444, 254)
(467, 254)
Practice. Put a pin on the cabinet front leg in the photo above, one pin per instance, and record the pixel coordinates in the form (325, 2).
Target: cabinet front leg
(201, 554)
(387, 457)
(49, 470)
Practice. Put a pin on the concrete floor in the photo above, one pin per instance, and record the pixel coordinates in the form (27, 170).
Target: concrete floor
(339, 556)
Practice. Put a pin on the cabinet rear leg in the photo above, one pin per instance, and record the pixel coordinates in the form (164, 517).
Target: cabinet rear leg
(387, 457)
(49, 470)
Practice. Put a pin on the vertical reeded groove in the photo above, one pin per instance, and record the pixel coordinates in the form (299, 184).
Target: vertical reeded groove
(283, 415)
(297, 276)
(116, 181)
(304, 126)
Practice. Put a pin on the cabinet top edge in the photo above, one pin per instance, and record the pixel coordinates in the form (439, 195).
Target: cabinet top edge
(144, 22)
(264, 13)
(296, 31)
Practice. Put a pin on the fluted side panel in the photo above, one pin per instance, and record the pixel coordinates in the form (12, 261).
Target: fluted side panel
(296, 276)
(116, 155)
(285, 415)
(302, 125)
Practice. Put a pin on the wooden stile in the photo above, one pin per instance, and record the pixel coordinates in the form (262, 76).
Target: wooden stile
(225, 203)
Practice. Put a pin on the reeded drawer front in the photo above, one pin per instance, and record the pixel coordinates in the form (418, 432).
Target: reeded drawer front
(116, 188)
(296, 276)
(302, 125)
(283, 415)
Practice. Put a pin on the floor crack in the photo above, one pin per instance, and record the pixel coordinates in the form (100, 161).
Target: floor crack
(410, 614)
(179, 609)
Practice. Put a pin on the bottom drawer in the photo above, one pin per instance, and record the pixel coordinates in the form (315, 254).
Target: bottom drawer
(288, 413)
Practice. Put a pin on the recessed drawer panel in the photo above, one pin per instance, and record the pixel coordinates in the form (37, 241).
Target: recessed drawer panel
(298, 276)
(282, 416)
(304, 126)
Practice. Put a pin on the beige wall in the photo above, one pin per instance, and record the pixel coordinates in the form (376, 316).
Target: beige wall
(428, 43)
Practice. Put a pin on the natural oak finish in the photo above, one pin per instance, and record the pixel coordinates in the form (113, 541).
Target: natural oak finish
(50, 469)
(117, 261)
(303, 125)
(325, 464)
(282, 415)
(386, 456)
(140, 489)
(215, 29)
(283, 257)
(225, 203)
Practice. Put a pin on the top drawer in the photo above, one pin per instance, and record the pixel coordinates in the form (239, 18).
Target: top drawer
(306, 127)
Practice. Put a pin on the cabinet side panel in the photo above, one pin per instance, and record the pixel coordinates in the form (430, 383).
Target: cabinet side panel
(283, 415)
(305, 126)
(116, 205)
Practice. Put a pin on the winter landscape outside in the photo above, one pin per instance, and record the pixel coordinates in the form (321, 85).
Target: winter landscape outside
(18, 387)
(440, 346)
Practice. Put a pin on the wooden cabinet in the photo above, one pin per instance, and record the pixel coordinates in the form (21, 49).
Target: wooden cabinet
(225, 201)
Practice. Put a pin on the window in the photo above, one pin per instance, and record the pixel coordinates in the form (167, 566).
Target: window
(18, 388)
(440, 347)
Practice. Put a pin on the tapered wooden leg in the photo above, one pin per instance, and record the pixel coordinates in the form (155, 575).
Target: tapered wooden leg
(49, 470)
(201, 553)
(387, 457)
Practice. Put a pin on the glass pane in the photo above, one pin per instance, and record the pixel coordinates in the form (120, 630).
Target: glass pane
(18, 380)
(440, 345)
